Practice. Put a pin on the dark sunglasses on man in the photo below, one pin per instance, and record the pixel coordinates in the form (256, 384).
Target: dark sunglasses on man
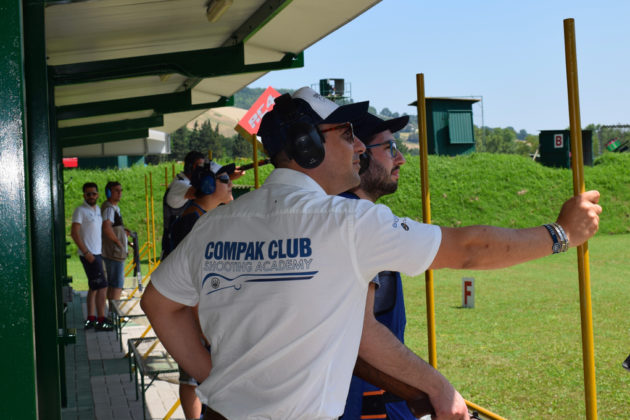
(393, 149)
(224, 178)
(347, 135)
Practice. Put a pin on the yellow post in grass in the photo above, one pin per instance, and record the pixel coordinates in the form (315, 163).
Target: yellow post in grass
(577, 165)
(255, 148)
(153, 241)
(254, 141)
(426, 213)
(146, 205)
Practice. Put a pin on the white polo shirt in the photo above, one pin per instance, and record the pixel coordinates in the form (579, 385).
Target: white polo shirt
(91, 224)
(281, 277)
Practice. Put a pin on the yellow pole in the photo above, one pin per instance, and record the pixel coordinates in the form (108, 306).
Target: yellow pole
(150, 349)
(256, 176)
(146, 205)
(486, 413)
(172, 410)
(153, 242)
(577, 165)
(426, 214)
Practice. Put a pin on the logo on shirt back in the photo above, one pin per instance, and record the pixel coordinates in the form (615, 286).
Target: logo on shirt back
(257, 262)
(403, 223)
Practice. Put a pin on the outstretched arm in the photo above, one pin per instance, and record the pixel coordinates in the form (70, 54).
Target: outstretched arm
(177, 329)
(382, 350)
(486, 247)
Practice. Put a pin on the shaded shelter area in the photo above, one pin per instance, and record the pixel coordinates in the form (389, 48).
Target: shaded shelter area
(92, 78)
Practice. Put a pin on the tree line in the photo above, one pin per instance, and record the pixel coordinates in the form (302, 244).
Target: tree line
(490, 140)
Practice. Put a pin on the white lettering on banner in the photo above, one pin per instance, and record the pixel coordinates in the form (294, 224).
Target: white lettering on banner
(255, 119)
(270, 102)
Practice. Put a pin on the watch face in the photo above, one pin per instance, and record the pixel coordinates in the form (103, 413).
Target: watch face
(557, 247)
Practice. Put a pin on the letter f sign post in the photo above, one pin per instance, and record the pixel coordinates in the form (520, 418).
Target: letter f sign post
(468, 292)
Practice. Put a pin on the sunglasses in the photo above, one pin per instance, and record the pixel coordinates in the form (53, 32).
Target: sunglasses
(347, 135)
(224, 178)
(393, 149)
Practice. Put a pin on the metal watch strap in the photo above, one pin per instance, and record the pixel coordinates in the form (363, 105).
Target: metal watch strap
(557, 246)
(562, 236)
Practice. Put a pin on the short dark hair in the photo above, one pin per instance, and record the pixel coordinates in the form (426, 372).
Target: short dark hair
(190, 159)
(111, 184)
(90, 185)
(280, 159)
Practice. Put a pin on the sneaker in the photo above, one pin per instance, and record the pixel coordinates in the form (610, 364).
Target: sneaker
(89, 324)
(626, 363)
(103, 326)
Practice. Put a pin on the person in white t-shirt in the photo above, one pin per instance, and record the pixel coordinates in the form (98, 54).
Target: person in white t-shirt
(281, 276)
(86, 233)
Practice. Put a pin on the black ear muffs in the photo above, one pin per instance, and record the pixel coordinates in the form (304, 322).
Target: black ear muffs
(305, 144)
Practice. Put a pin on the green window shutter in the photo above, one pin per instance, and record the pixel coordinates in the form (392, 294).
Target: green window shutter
(460, 127)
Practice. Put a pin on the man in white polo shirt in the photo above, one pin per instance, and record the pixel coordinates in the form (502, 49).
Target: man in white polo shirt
(281, 276)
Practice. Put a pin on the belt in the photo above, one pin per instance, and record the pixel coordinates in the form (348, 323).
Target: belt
(210, 414)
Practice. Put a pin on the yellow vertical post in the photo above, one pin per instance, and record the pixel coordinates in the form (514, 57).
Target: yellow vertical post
(577, 165)
(255, 146)
(426, 214)
(153, 242)
(146, 205)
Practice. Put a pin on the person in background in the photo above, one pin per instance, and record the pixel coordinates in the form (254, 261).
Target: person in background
(114, 241)
(178, 193)
(86, 233)
(213, 187)
(382, 162)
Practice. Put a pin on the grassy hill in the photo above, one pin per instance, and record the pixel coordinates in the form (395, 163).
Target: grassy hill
(504, 190)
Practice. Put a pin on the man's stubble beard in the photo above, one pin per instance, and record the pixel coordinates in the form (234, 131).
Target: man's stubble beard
(377, 182)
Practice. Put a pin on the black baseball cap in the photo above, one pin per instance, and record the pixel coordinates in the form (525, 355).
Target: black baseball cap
(371, 125)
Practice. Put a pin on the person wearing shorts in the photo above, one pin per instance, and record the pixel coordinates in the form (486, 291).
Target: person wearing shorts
(86, 233)
(114, 241)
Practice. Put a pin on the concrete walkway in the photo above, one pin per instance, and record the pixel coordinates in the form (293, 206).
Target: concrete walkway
(97, 375)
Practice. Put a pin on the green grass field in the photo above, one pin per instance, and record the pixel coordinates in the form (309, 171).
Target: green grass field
(518, 353)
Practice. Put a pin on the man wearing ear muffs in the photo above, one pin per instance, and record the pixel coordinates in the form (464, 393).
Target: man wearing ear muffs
(212, 188)
(281, 276)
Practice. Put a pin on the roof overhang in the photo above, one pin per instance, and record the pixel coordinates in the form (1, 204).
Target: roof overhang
(120, 67)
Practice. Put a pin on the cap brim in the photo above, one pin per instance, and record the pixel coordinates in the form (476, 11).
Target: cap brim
(371, 125)
(395, 124)
(347, 113)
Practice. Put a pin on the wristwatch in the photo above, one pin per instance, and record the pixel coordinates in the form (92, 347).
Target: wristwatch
(557, 246)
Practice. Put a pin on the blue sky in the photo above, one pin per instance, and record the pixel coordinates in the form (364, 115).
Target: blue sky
(510, 53)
